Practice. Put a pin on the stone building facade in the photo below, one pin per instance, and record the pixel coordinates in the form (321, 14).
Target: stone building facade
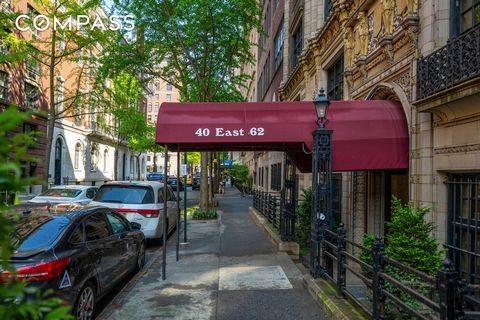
(424, 55)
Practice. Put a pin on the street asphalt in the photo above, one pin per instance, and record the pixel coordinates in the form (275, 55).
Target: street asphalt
(229, 270)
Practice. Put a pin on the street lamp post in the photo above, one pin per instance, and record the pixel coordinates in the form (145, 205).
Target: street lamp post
(321, 186)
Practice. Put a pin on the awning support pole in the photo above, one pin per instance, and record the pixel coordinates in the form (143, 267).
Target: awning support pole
(185, 202)
(178, 202)
(165, 208)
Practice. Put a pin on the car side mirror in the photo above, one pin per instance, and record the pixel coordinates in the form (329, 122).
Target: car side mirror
(135, 226)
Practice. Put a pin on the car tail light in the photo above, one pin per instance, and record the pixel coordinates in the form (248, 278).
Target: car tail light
(39, 272)
(144, 212)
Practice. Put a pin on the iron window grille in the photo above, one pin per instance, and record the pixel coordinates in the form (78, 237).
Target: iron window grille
(464, 225)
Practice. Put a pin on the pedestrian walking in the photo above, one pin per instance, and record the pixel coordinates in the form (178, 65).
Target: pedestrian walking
(222, 187)
(244, 188)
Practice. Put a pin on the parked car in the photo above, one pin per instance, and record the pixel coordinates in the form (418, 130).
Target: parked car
(155, 176)
(196, 182)
(79, 252)
(140, 202)
(189, 180)
(172, 182)
(68, 193)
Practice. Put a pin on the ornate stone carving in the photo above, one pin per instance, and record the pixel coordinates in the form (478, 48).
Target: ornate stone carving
(349, 45)
(388, 15)
(458, 149)
(412, 6)
(363, 33)
(387, 47)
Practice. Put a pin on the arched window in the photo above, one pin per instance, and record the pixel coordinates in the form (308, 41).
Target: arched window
(94, 157)
(132, 164)
(105, 160)
(78, 151)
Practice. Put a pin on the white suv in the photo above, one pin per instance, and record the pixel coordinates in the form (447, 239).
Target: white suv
(140, 202)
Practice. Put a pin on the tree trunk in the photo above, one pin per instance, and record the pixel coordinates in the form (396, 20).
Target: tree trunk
(115, 163)
(138, 166)
(51, 112)
(204, 181)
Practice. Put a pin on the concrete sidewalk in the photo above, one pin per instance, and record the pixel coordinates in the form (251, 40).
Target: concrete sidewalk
(229, 270)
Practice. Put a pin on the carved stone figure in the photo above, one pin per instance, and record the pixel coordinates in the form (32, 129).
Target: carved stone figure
(388, 15)
(363, 33)
(412, 6)
(349, 47)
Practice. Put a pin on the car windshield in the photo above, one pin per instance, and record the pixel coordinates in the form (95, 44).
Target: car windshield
(35, 231)
(129, 194)
(65, 193)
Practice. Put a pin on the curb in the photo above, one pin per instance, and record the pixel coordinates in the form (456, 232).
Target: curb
(117, 301)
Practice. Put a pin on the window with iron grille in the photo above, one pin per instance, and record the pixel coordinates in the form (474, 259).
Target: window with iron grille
(464, 224)
(279, 39)
(335, 80)
(276, 178)
(3, 85)
(32, 69)
(297, 45)
(169, 87)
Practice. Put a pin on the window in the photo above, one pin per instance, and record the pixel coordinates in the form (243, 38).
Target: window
(279, 39)
(78, 152)
(61, 42)
(105, 160)
(276, 179)
(118, 225)
(335, 80)
(127, 194)
(297, 45)
(96, 227)
(94, 157)
(328, 8)
(32, 69)
(31, 130)
(59, 93)
(157, 85)
(3, 85)
(157, 97)
(148, 158)
(149, 117)
(156, 106)
(77, 235)
(149, 107)
(168, 97)
(464, 224)
(169, 87)
(469, 14)
(31, 95)
(32, 13)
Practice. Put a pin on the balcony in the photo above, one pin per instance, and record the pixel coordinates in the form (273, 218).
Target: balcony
(455, 63)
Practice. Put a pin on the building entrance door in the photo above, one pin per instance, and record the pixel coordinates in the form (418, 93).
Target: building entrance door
(57, 175)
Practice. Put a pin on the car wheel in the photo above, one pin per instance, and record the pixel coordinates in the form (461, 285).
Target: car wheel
(140, 257)
(85, 305)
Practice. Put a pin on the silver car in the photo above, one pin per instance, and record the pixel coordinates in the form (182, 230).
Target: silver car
(68, 193)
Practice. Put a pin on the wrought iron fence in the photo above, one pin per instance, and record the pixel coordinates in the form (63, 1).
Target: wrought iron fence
(382, 294)
(457, 61)
(268, 205)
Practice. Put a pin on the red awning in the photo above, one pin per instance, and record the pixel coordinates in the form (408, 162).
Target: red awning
(367, 134)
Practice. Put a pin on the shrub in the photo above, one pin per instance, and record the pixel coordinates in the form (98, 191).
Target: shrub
(304, 220)
(205, 214)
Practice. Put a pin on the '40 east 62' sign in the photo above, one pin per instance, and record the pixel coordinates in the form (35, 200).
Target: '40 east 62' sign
(222, 132)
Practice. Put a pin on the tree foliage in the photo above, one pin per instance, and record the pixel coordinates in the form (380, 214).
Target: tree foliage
(17, 301)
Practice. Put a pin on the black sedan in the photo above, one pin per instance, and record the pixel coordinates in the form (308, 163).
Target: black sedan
(173, 183)
(79, 252)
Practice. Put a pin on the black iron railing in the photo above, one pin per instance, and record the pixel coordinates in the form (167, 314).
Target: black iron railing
(268, 205)
(457, 61)
(381, 293)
